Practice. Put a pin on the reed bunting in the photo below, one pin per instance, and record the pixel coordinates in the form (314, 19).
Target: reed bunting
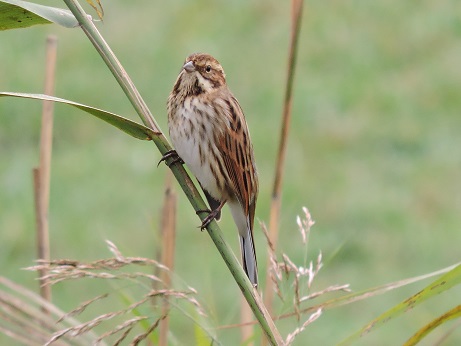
(210, 134)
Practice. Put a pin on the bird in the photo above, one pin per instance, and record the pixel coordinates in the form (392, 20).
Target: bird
(210, 135)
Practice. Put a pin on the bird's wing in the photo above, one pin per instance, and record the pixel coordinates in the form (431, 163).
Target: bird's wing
(237, 152)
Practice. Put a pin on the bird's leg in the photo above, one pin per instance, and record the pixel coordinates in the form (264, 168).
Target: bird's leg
(212, 214)
(168, 154)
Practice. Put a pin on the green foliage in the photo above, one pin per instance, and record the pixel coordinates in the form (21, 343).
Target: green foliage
(16, 14)
(449, 315)
(130, 127)
(444, 283)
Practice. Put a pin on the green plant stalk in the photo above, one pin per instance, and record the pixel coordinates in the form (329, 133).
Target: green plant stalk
(420, 334)
(250, 294)
(442, 284)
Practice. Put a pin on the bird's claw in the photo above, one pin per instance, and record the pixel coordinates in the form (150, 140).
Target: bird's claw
(174, 155)
(210, 217)
(203, 211)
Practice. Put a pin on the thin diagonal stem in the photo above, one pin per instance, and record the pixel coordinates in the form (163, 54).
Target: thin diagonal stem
(276, 202)
(251, 295)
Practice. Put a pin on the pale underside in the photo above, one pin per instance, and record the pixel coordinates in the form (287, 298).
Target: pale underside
(197, 127)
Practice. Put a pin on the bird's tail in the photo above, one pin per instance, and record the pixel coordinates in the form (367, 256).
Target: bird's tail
(244, 226)
(249, 257)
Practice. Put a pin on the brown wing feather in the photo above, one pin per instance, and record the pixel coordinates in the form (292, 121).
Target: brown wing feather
(237, 153)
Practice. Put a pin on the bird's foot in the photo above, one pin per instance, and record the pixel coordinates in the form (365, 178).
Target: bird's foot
(174, 155)
(211, 216)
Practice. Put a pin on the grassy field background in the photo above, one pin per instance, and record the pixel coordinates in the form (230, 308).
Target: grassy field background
(374, 153)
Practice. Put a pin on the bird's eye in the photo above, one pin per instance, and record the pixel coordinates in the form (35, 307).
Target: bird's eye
(208, 68)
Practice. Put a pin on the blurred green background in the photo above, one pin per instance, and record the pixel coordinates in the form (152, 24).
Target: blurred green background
(374, 151)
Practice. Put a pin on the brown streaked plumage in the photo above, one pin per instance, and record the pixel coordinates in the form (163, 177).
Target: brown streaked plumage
(210, 134)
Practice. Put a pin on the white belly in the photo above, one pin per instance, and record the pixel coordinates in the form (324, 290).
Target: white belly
(188, 148)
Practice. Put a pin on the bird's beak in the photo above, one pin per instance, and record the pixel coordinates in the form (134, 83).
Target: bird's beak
(189, 67)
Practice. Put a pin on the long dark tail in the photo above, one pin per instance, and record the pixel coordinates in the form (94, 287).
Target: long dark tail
(249, 257)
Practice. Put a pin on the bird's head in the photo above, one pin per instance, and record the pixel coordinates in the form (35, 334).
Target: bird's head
(201, 73)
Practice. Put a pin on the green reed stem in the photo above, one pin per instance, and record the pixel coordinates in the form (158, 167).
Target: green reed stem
(250, 294)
